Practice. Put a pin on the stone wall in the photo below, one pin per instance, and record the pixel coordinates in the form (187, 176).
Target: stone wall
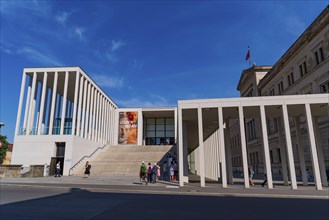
(10, 171)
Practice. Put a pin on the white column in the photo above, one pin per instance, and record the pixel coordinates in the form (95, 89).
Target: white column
(222, 146)
(83, 112)
(201, 149)
(180, 147)
(31, 113)
(244, 148)
(96, 119)
(75, 104)
(175, 118)
(91, 112)
(53, 104)
(64, 102)
(20, 104)
(228, 152)
(301, 152)
(87, 112)
(79, 106)
(266, 148)
(314, 155)
(100, 118)
(27, 105)
(107, 122)
(283, 152)
(42, 105)
(289, 147)
(94, 114)
(320, 152)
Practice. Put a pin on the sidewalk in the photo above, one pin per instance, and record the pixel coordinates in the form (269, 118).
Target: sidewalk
(125, 184)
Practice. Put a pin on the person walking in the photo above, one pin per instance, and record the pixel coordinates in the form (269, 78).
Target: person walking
(58, 169)
(171, 171)
(87, 169)
(154, 173)
(149, 173)
(251, 174)
(165, 171)
(142, 173)
(158, 172)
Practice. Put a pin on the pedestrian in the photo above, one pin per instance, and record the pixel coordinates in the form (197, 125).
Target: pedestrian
(154, 173)
(265, 180)
(142, 173)
(175, 170)
(149, 173)
(87, 169)
(251, 174)
(58, 169)
(158, 172)
(165, 171)
(171, 171)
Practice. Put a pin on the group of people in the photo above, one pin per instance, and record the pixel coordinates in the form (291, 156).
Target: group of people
(58, 169)
(152, 174)
(149, 173)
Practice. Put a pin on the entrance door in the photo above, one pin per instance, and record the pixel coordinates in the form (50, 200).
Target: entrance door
(60, 154)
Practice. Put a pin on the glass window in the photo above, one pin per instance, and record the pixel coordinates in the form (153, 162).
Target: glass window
(170, 121)
(170, 133)
(170, 127)
(150, 134)
(150, 121)
(160, 133)
(160, 127)
(150, 127)
(160, 121)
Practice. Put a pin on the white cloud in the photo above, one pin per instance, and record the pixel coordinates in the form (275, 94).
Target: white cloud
(108, 81)
(157, 101)
(79, 31)
(116, 45)
(111, 57)
(294, 26)
(37, 56)
(62, 18)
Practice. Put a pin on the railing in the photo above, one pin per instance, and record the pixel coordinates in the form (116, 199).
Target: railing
(84, 157)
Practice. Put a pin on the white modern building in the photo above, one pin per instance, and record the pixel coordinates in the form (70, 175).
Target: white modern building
(63, 115)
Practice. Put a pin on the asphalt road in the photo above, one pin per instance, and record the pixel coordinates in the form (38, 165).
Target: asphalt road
(17, 202)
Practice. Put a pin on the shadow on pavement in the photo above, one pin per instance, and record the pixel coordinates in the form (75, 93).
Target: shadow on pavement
(84, 204)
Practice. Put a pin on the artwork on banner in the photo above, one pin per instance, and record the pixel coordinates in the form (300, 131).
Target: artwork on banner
(128, 126)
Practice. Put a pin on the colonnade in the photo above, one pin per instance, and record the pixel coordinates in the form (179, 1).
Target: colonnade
(64, 101)
(308, 106)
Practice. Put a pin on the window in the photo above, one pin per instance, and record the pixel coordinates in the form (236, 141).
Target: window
(319, 57)
(272, 92)
(280, 87)
(279, 155)
(324, 87)
(251, 130)
(302, 69)
(291, 79)
(271, 156)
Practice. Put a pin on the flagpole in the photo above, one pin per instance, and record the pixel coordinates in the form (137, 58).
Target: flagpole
(248, 56)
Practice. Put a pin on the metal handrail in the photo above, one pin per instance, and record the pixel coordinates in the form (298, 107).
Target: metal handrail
(84, 157)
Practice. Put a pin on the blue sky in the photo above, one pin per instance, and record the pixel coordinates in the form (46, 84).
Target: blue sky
(146, 53)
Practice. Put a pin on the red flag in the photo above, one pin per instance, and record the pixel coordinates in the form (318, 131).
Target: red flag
(248, 55)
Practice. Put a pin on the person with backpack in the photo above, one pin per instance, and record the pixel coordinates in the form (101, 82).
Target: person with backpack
(87, 169)
(154, 173)
(142, 173)
(149, 172)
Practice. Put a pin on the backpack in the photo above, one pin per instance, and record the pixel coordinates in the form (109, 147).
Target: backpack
(149, 170)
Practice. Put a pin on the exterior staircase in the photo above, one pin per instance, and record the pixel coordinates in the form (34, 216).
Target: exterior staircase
(124, 160)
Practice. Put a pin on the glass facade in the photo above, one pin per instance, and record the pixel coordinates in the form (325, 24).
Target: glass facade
(160, 131)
